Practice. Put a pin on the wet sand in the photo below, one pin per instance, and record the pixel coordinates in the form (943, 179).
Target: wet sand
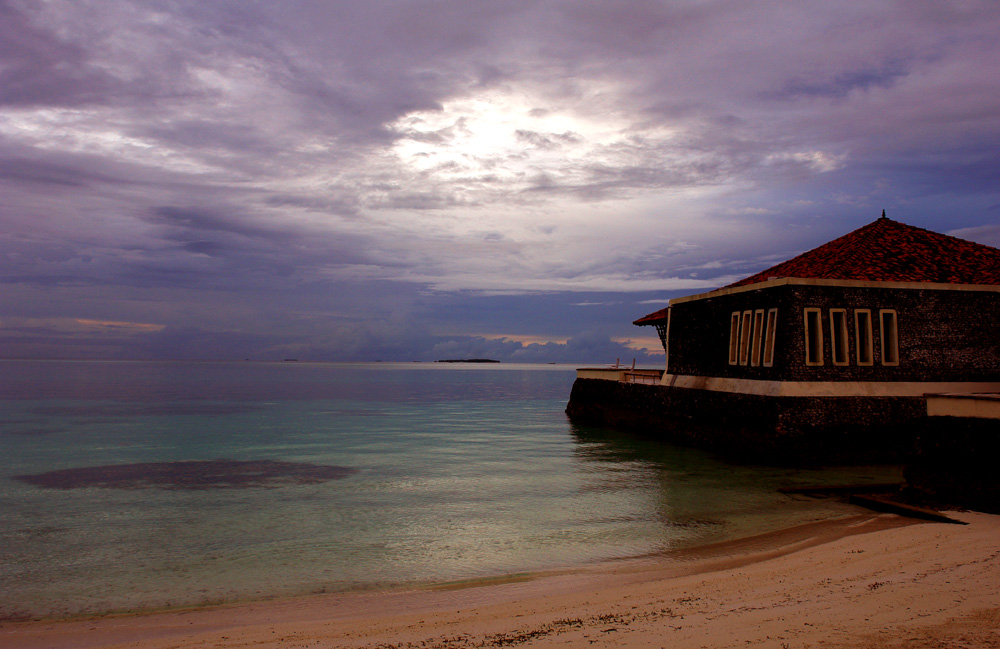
(866, 581)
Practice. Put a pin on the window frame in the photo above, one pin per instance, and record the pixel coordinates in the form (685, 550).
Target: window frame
(863, 338)
(839, 338)
(813, 331)
(745, 330)
(770, 332)
(734, 337)
(758, 331)
(893, 318)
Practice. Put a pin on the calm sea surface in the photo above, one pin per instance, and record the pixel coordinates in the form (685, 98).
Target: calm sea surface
(127, 485)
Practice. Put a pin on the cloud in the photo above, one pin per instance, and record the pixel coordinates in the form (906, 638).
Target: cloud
(229, 166)
(42, 70)
(985, 234)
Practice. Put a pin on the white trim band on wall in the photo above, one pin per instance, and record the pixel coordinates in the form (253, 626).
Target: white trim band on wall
(825, 388)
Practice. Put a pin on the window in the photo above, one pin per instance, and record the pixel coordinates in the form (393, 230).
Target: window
(772, 322)
(734, 337)
(745, 337)
(758, 334)
(838, 337)
(889, 336)
(814, 337)
(863, 336)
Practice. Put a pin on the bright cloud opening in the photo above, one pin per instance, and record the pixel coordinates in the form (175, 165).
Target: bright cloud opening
(506, 136)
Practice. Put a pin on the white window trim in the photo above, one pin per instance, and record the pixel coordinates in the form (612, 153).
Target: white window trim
(734, 337)
(819, 334)
(866, 334)
(839, 340)
(770, 333)
(893, 339)
(758, 337)
(746, 326)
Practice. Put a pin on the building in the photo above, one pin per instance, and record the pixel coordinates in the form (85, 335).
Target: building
(824, 357)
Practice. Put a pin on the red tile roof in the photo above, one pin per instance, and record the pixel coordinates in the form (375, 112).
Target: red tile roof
(889, 251)
(885, 251)
(652, 318)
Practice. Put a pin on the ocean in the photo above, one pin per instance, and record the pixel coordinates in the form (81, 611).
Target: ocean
(128, 486)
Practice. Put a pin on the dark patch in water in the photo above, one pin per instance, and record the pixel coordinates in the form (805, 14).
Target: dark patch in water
(146, 409)
(36, 533)
(31, 431)
(196, 474)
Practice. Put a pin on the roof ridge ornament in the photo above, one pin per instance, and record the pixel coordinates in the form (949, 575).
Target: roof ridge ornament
(883, 212)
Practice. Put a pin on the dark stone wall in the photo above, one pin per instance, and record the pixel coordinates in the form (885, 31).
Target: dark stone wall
(943, 335)
(955, 464)
(771, 430)
(699, 334)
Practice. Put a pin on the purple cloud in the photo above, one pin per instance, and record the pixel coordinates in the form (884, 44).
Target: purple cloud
(361, 180)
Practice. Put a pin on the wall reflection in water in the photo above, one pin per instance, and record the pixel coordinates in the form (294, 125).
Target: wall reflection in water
(694, 497)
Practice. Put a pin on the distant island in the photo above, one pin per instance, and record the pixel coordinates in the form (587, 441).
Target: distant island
(467, 360)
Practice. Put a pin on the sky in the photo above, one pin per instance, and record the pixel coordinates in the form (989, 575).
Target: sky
(414, 180)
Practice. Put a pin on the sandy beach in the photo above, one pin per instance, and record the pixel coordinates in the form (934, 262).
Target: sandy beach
(870, 580)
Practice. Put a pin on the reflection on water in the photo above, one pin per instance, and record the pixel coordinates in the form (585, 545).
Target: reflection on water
(704, 498)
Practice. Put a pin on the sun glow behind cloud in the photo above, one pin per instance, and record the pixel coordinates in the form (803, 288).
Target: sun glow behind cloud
(533, 181)
(505, 135)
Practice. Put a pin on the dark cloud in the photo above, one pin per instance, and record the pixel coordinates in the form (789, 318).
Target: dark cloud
(39, 69)
(845, 82)
(202, 220)
(24, 170)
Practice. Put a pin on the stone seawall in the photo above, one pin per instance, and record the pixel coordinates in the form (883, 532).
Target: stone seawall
(771, 430)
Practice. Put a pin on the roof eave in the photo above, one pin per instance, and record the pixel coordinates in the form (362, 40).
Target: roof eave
(842, 283)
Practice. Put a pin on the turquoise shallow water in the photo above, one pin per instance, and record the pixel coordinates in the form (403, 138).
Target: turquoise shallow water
(446, 472)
